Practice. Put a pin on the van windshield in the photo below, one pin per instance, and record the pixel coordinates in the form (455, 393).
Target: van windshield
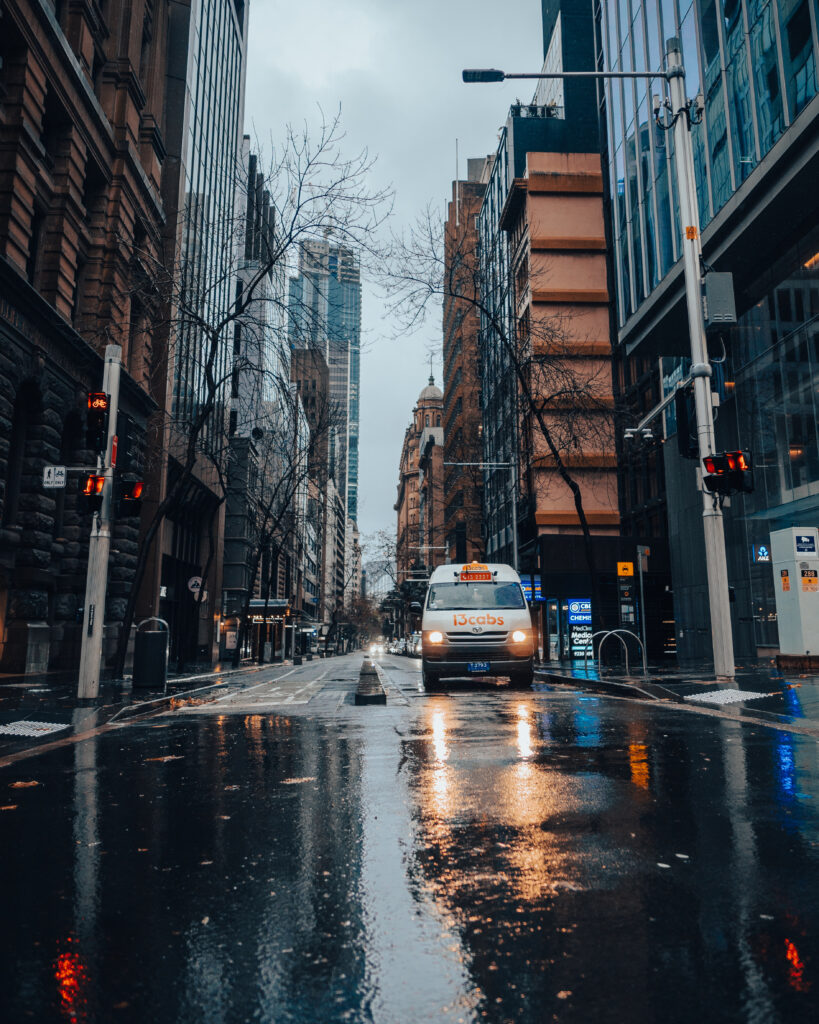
(453, 597)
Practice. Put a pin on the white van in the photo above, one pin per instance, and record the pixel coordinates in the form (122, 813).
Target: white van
(476, 622)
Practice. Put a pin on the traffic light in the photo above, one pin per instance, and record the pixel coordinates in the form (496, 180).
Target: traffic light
(91, 494)
(728, 473)
(96, 420)
(129, 498)
(686, 416)
(126, 444)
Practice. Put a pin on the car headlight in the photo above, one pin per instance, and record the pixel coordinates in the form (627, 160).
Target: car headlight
(435, 637)
(518, 636)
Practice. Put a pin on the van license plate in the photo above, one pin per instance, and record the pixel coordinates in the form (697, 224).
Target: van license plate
(477, 666)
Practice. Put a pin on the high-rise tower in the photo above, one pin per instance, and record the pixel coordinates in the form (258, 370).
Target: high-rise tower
(325, 313)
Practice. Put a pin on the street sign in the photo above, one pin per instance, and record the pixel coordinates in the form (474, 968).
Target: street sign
(805, 544)
(195, 584)
(54, 476)
(625, 568)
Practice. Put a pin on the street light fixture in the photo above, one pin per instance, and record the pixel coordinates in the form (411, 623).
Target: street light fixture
(683, 113)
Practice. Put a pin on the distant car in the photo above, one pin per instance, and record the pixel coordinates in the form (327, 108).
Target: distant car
(414, 645)
(401, 646)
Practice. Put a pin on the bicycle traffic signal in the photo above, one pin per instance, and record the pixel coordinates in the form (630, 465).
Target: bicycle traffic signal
(728, 473)
(91, 495)
(96, 420)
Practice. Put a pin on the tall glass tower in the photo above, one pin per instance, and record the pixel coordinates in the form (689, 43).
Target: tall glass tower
(325, 313)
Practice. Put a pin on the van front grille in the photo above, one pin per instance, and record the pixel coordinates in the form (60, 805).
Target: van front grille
(488, 637)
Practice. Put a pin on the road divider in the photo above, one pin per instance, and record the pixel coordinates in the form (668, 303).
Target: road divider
(369, 689)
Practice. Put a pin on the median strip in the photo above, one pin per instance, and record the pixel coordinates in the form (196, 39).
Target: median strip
(369, 690)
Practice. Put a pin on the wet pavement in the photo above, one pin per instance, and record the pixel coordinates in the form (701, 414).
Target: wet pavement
(760, 691)
(477, 854)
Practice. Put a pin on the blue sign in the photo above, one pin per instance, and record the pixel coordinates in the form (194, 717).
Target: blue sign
(760, 553)
(805, 544)
(526, 582)
(579, 610)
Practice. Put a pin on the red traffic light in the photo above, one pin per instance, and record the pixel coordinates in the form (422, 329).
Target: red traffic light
(128, 497)
(93, 485)
(92, 492)
(728, 472)
(98, 400)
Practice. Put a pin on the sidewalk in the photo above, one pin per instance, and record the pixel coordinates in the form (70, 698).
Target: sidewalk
(38, 710)
(761, 691)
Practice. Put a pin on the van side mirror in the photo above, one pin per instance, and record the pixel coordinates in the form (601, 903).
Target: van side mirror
(415, 608)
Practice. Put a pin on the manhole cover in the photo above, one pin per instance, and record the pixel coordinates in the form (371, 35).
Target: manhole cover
(31, 728)
(725, 696)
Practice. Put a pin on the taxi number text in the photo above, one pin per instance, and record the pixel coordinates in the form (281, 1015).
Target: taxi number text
(477, 620)
(467, 577)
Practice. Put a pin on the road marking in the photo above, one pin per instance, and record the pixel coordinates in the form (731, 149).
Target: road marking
(267, 682)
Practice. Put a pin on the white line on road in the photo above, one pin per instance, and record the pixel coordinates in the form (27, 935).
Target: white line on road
(267, 682)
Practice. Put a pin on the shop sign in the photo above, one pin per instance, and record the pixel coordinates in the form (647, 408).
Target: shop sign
(760, 553)
(531, 588)
(231, 639)
(579, 610)
(580, 638)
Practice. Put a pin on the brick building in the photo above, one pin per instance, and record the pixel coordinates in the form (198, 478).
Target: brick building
(463, 485)
(81, 160)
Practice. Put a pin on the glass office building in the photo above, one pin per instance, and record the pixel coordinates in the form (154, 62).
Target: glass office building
(210, 159)
(756, 156)
(324, 311)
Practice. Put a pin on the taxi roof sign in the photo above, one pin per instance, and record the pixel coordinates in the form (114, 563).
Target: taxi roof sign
(475, 571)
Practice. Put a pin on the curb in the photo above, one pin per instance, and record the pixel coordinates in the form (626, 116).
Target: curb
(606, 686)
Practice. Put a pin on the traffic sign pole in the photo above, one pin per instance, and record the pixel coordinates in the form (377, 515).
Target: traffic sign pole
(715, 559)
(99, 548)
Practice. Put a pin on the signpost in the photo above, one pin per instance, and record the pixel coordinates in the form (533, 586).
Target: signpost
(54, 476)
(643, 551)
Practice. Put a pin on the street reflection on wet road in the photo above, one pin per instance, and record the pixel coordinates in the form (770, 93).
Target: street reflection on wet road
(484, 855)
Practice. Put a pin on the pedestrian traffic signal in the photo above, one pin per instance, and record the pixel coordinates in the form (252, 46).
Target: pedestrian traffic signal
(129, 498)
(96, 421)
(728, 473)
(687, 442)
(126, 444)
(92, 493)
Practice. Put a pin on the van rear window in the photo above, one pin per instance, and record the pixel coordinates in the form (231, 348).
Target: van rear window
(454, 597)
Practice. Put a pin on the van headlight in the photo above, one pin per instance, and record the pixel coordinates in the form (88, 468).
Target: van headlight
(518, 637)
(435, 637)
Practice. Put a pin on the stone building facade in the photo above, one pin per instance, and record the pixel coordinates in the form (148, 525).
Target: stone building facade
(419, 505)
(81, 159)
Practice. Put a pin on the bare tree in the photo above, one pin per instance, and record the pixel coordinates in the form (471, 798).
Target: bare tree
(311, 187)
(561, 404)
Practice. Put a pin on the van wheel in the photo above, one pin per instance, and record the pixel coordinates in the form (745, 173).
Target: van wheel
(522, 680)
(428, 679)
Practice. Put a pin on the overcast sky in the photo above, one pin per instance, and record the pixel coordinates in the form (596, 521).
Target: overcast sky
(395, 69)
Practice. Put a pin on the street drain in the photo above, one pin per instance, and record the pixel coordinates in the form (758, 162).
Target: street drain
(725, 696)
(25, 728)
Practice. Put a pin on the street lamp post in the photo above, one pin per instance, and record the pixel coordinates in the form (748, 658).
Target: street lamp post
(680, 109)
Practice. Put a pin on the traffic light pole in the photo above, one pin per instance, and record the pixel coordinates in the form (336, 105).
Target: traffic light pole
(715, 560)
(99, 547)
(716, 566)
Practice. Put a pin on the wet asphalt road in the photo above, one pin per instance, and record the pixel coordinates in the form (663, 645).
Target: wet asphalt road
(476, 854)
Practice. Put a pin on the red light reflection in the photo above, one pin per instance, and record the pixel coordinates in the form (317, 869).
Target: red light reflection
(71, 976)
